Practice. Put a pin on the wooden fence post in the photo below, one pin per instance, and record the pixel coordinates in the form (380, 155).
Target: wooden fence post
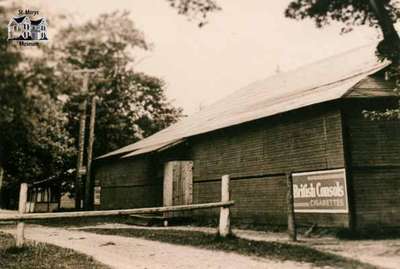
(224, 216)
(290, 208)
(1, 183)
(23, 196)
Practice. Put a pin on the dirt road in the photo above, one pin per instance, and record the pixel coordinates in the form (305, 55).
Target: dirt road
(381, 253)
(123, 253)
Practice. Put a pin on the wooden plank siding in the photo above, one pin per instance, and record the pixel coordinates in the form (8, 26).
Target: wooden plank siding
(302, 141)
(372, 86)
(129, 183)
(375, 163)
(131, 197)
(256, 156)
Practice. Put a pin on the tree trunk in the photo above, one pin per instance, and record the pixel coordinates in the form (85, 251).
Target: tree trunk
(390, 35)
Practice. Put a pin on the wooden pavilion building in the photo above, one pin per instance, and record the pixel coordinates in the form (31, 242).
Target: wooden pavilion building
(307, 122)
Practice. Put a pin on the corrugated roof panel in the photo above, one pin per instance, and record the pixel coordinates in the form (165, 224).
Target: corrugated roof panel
(322, 81)
(144, 150)
(148, 149)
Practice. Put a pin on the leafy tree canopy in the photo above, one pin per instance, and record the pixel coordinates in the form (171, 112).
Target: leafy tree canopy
(39, 97)
(349, 12)
(131, 105)
(195, 9)
(381, 14)
(34, 141)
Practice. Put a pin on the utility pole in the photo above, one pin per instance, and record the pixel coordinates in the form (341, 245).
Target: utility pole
(88, 184)
(290, 208)
(81, 143)
(80, 170)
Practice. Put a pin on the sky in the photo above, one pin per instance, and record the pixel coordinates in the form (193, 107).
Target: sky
(248, 40)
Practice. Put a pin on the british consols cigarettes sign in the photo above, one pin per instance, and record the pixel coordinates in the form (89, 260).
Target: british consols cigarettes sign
(320, 192)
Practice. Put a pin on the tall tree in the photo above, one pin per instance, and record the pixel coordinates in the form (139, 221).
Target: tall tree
(382, 14)
(131, 105)
(377, 13)
(34, 141)
(39, 97)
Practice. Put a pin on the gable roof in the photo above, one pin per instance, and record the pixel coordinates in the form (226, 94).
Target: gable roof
(322, 81)
(38, 21)
(19, 19)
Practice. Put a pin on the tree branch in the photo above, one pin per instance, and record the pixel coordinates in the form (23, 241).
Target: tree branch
(390, 47)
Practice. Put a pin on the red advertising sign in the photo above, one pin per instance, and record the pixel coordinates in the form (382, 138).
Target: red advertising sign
(320, 192)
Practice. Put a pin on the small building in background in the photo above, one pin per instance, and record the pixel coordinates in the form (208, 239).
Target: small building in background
(43, 196)
(51, 194)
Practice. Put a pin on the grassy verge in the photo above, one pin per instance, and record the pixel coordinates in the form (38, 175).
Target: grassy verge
(80, 222)
(274, 250)
(375, 233)
(42, 256)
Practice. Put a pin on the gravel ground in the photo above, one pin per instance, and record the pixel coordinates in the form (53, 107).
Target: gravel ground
(123, 252)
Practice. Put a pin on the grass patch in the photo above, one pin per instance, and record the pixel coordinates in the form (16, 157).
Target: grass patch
(239, 224)
(81, 222)
(371, 233)
(42, 256)
(91, 221)
(273, 250)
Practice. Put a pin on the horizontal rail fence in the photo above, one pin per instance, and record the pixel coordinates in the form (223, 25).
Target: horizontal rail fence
(224, 228)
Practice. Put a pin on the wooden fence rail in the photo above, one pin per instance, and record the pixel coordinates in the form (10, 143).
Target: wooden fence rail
(118, 212)
(224, 219)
